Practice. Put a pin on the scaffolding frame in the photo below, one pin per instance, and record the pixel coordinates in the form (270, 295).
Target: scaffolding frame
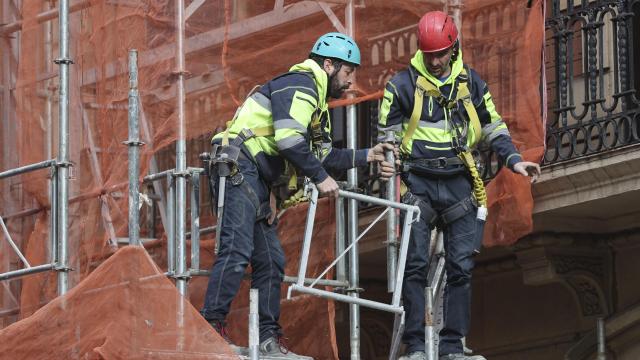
(177, 176)
(59, 185)
(173, 206)
(397, 261)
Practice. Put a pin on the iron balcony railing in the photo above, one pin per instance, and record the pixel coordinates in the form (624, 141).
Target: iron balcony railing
(593, 102)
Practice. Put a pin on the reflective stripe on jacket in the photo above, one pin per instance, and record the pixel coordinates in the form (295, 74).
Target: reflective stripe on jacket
(292, 103)
(434, 134)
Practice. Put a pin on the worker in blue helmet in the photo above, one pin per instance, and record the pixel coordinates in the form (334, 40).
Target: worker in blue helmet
(338, 49)
(284, 125)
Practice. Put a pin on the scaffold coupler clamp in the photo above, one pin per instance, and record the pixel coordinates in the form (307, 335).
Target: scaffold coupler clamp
(390, 137)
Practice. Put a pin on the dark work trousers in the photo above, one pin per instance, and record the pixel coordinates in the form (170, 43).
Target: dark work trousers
(245, 240)
(441, 193)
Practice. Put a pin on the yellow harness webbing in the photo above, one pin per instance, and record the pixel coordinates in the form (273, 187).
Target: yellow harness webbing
(424, 86)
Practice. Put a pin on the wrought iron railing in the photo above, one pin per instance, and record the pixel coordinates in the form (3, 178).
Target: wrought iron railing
(593, 101)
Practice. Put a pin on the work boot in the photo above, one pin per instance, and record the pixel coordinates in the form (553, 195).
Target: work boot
(416, 355)
(221, 327)
(275, 348)
(461, 357)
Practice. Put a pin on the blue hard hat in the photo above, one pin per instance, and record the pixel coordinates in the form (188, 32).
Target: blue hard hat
(339, 46)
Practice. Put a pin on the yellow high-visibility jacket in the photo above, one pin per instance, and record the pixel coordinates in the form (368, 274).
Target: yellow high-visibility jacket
(294, 104)
(434, 135)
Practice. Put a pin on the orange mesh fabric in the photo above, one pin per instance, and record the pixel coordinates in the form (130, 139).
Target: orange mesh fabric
(125, 309)
(512, 68)
(229, 47)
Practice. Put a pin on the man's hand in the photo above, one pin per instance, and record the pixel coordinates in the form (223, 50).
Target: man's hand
(528, 168)
(377, 153)
(274, 209)
(328, 187)
(386, 170)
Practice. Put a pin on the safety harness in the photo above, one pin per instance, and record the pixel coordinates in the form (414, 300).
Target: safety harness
(464, 156)
(224, 158)
(224, 164)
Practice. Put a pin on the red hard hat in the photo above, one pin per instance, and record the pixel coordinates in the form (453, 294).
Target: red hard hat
(436, 32)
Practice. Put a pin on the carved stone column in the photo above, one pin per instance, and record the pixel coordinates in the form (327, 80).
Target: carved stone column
(581, 263)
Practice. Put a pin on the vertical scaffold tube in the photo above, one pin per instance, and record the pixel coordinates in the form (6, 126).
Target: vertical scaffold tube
(429, 328)
(62, 173)
(134, 151)
(392, 219)
(352, 180)
(181, 156)
(254, 322)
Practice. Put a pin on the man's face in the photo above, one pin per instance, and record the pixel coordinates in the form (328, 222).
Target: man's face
(438, 63)
(342, 80)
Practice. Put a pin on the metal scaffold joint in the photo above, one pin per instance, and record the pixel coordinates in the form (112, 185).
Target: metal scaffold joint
(183, 276)
(63, 164)
(134, 143)
(353, 289)
(63, 61)
(182, 174)
(177, 73)
(63, 268)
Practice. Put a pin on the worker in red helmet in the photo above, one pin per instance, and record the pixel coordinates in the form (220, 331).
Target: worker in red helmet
(442, 109)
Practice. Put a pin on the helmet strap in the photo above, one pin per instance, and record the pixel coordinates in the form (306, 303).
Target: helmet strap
(456, 50)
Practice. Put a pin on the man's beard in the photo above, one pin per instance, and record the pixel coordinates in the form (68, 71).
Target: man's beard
(335, 90)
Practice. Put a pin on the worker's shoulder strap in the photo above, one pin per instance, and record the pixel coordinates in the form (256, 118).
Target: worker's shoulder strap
(425, 87)
(246, 134)
(422, 87)
(464, 95)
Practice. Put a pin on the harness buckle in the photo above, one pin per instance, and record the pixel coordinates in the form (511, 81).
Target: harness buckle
(246, 134)
(441, 162)
(237, 178)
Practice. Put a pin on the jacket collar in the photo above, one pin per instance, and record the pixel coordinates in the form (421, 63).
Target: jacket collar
(320, 77)
(418, 63)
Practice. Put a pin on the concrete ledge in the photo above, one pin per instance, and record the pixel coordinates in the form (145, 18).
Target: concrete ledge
(597, 193)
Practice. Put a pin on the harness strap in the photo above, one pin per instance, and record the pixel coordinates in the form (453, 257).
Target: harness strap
(237, 179)
(425, 87)
(458, 210)
(479, 191)
(439, 163)
(447, 216)
(246, 134)
(418, 97)
(463, 95)
(427, 213)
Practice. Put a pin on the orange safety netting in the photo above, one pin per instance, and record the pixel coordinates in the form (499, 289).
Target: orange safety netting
(125, 309)
(230, 46)
(512, 69)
